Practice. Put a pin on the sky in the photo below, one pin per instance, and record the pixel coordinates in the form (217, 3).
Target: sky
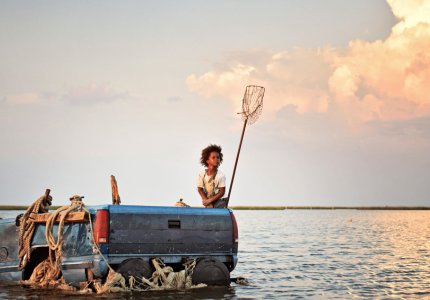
(138, 88)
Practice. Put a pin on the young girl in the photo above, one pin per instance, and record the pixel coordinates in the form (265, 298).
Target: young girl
(211, 182)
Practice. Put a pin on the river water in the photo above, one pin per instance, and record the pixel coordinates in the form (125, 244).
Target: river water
(311, 254)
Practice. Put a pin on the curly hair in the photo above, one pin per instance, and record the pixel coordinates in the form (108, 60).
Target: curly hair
(207, 151)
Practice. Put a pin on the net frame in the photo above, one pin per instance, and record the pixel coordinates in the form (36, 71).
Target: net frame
(252, 103)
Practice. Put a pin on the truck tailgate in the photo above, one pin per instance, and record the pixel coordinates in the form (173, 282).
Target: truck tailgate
(153, 230)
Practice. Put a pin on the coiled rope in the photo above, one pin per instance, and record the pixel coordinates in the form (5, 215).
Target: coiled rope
(27, 226)
(52, 267)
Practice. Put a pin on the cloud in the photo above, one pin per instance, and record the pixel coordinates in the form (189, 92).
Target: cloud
(286, 75)
(81, 95)
(92, 94)
(174, 99)
(29, 98)
(411, 13)
(383, 80)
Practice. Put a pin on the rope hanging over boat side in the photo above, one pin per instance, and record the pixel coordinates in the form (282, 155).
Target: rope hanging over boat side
(48, 272)
(163, 278)
(56, 245)
(27, 226)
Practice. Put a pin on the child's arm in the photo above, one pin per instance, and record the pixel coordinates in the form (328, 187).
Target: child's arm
(204, 198)
(208, 201)
(200, 188)
(202, 194)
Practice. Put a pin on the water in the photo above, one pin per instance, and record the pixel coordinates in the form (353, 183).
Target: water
(317, 254)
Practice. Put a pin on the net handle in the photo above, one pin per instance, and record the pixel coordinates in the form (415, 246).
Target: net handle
(237, 159)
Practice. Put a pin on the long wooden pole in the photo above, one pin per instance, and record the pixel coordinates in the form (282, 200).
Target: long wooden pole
(116, 200)
(237, 159)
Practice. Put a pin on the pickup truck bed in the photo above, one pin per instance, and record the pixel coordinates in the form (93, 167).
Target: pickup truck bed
(124, 233)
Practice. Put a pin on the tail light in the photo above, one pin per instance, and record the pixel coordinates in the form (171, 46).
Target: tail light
(101, 226)
(235, 231)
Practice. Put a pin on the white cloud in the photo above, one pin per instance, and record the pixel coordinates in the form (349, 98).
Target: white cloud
(25, 98)
(380, 80)
(286, 76)
(82, 95)
(93, 93)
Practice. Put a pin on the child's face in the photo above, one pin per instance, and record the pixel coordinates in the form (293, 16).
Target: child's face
(213, 159)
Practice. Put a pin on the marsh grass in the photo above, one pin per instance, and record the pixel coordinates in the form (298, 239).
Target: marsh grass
(23, 207)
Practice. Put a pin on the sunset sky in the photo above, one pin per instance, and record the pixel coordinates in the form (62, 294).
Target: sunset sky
(137, 88)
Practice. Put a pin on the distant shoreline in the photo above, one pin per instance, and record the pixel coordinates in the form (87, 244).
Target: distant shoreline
(23, 207)
(331, 207)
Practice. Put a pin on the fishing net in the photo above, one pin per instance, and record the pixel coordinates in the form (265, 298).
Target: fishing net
(252, 104)
(163, 278)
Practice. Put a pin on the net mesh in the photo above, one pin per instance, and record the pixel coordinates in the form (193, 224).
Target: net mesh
(252, 104)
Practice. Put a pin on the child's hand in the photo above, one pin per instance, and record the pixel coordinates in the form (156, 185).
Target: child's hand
(206, 202)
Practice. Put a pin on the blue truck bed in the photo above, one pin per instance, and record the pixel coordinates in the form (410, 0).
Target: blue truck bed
(125, 232)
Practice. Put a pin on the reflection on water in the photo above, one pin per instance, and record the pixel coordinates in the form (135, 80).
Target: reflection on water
(15, 291)
(327, 254)
(313, 254)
